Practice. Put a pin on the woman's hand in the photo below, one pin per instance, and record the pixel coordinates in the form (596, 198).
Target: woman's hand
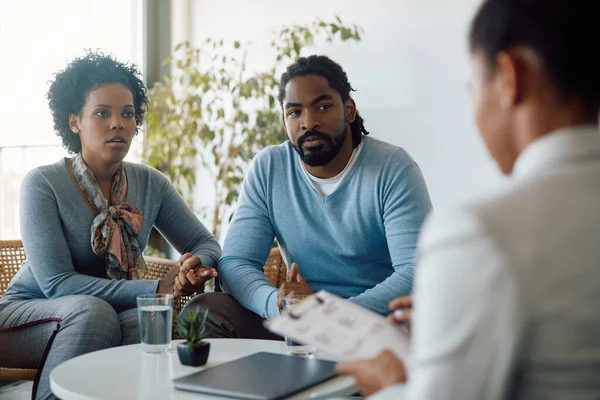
(374, 374)
(186, 277)
(167, 283)
(192, 275)
(401, 311)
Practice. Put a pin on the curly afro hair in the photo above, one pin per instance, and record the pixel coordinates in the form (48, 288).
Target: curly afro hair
(72, 85)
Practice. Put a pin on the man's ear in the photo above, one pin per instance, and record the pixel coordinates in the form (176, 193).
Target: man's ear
(74, 123)
(283, 122)
(350, 107)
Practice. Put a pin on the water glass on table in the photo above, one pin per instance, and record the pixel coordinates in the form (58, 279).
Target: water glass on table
(292, 347)
(155, 315)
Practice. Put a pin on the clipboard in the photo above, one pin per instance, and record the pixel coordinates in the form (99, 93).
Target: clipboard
(340, 328)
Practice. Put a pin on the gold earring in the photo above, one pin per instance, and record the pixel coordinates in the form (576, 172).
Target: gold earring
(75, 130)
(505, 103)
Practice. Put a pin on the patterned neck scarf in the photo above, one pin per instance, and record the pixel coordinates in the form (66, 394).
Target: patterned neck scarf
(115, 228)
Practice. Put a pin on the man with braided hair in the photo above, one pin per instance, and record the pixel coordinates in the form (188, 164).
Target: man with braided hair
(346, 209)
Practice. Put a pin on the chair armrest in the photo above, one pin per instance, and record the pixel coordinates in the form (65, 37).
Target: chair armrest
(158, 267)
(275, 268)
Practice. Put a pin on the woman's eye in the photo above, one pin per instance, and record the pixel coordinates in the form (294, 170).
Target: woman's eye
(102, 114)
(128, 114)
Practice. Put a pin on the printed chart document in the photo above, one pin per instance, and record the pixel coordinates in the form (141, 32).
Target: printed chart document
(340, 328)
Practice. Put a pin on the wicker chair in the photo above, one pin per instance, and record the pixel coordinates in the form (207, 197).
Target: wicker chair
(12, 256)
(275, 269)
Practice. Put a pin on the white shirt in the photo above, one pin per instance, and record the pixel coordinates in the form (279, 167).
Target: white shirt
(324, 187)
(507, 290)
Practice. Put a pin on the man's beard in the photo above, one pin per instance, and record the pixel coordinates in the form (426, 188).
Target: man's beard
(321, 154)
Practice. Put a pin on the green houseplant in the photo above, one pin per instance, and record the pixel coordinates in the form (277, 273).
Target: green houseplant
(191, 326)
(215, 113)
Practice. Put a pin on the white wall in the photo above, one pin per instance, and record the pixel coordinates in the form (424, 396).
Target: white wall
(410, 72)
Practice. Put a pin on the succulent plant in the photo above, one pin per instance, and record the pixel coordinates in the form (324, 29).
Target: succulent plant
(192, 326)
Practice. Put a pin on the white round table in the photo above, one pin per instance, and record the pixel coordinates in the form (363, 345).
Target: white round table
(127, 372)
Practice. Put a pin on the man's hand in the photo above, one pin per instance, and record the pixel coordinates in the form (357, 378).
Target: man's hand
(294, 285)
(192, 275)
(374, 374)
(401, 311)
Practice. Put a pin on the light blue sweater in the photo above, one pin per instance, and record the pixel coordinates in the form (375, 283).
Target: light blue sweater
(55, 224)
(358, 243)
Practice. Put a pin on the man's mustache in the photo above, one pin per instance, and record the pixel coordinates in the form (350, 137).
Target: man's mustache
(312, 133)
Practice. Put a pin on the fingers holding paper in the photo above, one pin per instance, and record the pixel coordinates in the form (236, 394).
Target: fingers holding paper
(401, 302)
(376, 373)
(401, 310)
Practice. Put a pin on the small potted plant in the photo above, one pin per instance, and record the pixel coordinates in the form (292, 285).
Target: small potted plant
(192, 328)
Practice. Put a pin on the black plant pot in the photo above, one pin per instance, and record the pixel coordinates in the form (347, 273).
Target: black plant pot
(193, 355)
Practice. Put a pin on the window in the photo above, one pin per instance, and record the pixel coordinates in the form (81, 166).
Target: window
(38, 38)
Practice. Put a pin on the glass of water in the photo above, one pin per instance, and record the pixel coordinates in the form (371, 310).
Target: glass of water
(155, 315)
(292, 347)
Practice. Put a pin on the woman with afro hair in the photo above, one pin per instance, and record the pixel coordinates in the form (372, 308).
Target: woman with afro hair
(85, 222)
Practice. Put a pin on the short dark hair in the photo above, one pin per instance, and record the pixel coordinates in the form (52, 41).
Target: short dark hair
(336, 77)
(72, 85)
(563, 33)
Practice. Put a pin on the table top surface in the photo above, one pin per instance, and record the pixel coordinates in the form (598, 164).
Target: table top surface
(126, 372)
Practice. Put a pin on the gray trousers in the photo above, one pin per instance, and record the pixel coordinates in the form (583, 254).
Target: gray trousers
(42, 333)
(229, 319)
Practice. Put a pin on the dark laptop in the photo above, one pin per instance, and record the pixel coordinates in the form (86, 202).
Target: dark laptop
(263, 376)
